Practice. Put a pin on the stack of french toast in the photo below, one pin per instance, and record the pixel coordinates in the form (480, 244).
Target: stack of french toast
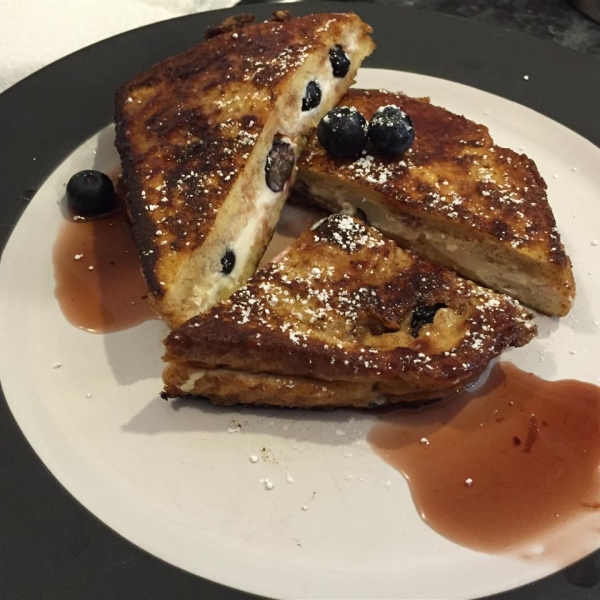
(405, 293)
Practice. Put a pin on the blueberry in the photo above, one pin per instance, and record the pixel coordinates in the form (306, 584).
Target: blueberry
(343, 131)
(312, 96)
(422, 315)
(228, 262)
(91, 194)
(340, 63)
(391, 130)
(279, 164)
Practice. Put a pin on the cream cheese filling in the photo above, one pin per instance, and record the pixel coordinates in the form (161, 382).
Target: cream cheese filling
(292, 126)
(456, 251)
(188, 385)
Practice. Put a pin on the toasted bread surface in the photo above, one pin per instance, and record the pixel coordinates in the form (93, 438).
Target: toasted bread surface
(454, 197)
(194, 134)
(345, 304)
(229, 387)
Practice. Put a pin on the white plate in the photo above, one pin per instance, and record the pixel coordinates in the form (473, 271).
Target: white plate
(169, 477)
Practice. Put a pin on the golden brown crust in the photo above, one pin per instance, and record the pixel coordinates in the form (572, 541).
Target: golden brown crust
(229, 25)
(453, 176)
(186, 127)
(453, 170)
(340, 305)
(226, 387)
(237, 22)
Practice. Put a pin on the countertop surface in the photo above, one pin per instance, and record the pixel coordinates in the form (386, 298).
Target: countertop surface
(555, 20)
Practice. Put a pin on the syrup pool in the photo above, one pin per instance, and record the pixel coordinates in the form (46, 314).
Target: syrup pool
(99, 285)
(500, 468)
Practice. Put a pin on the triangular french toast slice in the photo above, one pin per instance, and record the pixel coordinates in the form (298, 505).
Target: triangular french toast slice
(454, 197)
(343, 317)
(209, 141)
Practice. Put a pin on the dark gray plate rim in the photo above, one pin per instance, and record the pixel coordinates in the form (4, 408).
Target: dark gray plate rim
(52, 546)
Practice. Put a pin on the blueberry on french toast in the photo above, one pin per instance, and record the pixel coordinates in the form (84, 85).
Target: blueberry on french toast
(391, 130)
(343, 131)
(209, 140)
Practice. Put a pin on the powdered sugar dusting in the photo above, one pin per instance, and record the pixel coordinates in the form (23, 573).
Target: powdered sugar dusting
(357, 291)
(453, 170)
(200, 147)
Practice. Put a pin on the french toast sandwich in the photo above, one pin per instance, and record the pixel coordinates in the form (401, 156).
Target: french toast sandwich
(343, 317)
(454, 197)
(209, 141)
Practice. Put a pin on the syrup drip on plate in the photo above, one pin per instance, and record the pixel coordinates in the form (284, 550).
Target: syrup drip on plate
(111, 295)
(499, 468)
